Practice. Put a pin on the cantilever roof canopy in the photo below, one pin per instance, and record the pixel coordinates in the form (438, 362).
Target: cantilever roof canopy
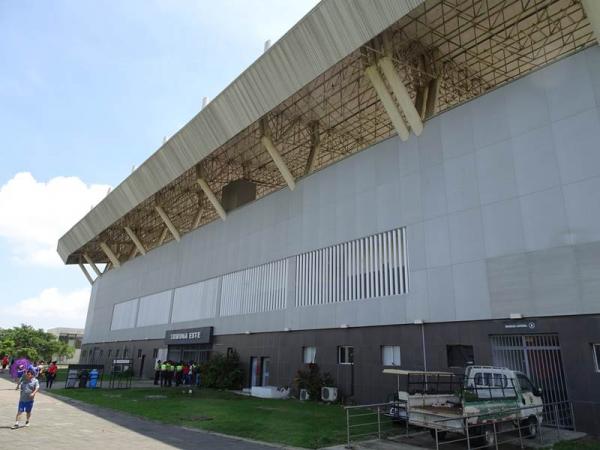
(349, 74)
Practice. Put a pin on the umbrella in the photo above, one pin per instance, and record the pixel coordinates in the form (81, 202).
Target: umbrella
(16, 364)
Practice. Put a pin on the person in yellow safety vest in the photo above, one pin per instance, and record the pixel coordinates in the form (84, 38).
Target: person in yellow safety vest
(163, 374)
(156, 372)
(178, 373)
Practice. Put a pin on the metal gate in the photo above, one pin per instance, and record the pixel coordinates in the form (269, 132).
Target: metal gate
(538, 356)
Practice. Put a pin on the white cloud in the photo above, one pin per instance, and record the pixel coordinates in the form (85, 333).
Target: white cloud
(35, 214)
(50, 308)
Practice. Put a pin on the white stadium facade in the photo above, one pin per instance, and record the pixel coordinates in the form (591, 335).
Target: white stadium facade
(393, 183)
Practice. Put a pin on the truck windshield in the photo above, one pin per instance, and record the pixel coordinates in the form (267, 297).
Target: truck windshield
(526, 385)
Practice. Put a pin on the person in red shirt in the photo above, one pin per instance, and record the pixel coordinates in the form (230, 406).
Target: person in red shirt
(186, 372)
(4, 363)
(51, 374)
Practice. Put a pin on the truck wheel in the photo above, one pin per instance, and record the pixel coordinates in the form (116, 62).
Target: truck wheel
(532, 427)
(441, 435)
(483, 436)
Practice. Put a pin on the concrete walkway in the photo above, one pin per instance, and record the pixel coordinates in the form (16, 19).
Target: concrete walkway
(59, 424)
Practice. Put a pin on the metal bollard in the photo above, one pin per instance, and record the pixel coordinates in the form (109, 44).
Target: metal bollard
(378, 424)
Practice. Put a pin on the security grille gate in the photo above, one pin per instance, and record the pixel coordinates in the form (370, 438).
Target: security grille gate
(538, 356)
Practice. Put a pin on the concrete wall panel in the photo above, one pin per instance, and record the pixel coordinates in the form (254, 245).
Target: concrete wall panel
(507, 185)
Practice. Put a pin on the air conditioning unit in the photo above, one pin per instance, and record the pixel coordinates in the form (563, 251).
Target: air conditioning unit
(304, 395)
(329, 394)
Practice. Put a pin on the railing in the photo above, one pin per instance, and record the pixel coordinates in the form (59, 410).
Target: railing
(503, 427)
(481, 430)
(365, 422)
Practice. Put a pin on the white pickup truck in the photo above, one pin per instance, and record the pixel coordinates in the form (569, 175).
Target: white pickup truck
(444, 402)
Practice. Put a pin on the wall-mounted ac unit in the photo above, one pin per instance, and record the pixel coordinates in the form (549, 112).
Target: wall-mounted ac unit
(329, 394)
(304, 395)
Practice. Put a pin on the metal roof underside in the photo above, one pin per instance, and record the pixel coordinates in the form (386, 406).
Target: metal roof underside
(332, 30)
(314, 79)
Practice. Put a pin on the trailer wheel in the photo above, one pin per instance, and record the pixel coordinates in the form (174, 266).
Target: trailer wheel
(532, 427)
(441, 435)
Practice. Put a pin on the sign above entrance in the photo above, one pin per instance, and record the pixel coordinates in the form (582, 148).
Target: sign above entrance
(520, 325)
(189, 336)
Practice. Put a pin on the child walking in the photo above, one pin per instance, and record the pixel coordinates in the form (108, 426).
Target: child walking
(29, 386)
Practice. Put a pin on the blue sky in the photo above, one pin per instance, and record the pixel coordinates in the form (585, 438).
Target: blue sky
(88, 90)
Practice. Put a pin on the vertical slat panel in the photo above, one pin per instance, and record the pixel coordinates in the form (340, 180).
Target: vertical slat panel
(277, 267)
(315, 276)
(329, 274)
(384, 265)
(266, 292)
(356, 259)
(306, 280)
(388, 237)
(395, 265)
(336, 268)
(369, 244)
(322, 273)
(377, 266)
(300, 279)
(353, 269)
(361, 269)
(350, 272)
(405, 280)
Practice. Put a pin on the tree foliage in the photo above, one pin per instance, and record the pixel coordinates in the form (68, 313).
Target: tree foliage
(312, 380)
(222, 371)
(26, 341)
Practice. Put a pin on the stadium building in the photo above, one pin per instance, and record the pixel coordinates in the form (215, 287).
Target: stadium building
(393, 183)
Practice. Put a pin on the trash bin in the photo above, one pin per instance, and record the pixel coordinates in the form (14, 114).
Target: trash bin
(93, 378)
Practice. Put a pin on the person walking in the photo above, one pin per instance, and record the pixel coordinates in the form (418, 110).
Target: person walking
(4, 363)
(156, 372)
(197, 374)
(29, 386)
(51, 374)
(163, 374)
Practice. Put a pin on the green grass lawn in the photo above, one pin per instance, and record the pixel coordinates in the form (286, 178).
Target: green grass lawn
(290, 422)
(587, 443)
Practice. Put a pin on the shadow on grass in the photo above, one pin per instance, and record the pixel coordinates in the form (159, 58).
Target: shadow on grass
(173, 435)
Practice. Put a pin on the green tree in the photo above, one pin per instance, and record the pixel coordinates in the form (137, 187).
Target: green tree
(26, 341)
(222, 371)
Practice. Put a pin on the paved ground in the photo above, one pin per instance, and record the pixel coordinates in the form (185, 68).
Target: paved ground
(70, 425)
